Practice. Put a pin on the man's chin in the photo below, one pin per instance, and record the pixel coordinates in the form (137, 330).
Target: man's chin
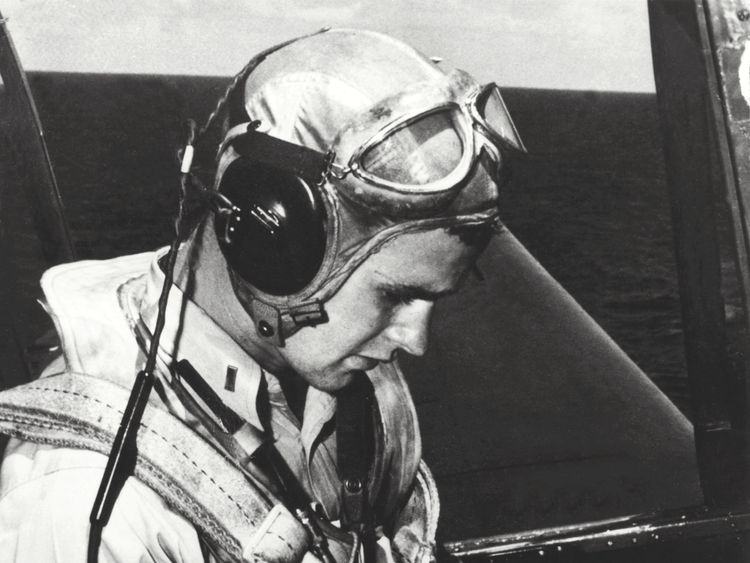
(360, 363)
(331, 382)
(337, 376)
(336, 379)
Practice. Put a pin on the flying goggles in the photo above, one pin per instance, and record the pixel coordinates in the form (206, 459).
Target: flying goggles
(426, 142)
(434, 150)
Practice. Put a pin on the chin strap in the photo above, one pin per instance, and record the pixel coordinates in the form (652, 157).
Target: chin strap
(272, 323)
(355, 455)
(275, 326)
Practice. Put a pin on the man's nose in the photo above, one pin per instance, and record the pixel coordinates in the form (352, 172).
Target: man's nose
(410, 327)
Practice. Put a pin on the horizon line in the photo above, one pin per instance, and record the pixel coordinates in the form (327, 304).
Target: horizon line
(229, 76)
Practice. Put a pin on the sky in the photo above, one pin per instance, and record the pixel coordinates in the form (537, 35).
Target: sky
(561, 44)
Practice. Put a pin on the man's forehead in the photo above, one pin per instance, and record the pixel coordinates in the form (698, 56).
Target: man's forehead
(432, 262)
(427, 289)
(437, 247)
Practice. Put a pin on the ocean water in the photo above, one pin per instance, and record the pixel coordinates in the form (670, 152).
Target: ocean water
(589, 200)
(590, 203)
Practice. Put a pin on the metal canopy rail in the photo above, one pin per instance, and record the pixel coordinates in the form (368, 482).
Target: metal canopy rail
(607, 535)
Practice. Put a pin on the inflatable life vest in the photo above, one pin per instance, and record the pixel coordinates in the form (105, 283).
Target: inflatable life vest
(81, 407)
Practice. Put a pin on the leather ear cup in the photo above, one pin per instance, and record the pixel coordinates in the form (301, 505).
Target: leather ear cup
(275, 235)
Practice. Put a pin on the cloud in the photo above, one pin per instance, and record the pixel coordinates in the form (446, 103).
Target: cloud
(309, 10)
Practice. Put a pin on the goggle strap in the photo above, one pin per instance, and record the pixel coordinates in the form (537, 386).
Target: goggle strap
(306, 163)
(242, 75)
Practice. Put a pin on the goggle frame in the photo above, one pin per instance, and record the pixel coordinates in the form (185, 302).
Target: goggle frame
(471, 124)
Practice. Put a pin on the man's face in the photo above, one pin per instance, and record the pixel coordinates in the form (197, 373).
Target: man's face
(384, 306)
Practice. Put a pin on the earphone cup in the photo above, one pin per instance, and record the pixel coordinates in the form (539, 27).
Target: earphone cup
(284, 258)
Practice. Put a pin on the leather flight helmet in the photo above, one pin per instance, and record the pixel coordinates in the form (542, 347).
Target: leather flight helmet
(395, 146)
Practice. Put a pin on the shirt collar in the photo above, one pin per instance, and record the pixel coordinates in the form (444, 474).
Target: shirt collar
(190, 333)
(319, 409)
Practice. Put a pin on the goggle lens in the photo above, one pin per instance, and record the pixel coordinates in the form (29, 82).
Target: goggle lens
(421, 152)
(492, 110)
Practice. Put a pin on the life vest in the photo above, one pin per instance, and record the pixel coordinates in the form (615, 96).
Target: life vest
(82, 406)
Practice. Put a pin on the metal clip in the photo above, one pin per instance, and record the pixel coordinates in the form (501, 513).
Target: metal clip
(265, 217)
(309, 314)
(220, 203)
(332, 169)
(319, 545)
(339, 172)
(353, 501)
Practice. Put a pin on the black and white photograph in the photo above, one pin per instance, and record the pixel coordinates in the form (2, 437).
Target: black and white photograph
(396, 281)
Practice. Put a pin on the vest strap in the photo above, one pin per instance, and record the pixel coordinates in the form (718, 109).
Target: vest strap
(233, 514)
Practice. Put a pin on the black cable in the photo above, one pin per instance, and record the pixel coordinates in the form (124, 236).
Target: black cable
(95, 540)
(124, 453)
(171, 260)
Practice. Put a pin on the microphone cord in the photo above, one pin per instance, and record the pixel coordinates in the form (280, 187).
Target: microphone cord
(124, 453)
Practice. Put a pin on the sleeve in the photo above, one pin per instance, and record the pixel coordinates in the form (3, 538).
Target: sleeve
(414, 532)
(46, 494)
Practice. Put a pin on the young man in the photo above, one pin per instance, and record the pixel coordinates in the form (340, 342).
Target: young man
(356, 184)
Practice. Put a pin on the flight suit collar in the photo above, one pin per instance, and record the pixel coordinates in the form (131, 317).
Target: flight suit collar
(190, 333)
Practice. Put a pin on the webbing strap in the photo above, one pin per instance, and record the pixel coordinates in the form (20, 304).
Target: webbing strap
(196, 480)
(277, 153)
(355, 446)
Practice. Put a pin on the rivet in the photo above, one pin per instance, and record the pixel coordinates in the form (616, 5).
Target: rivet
(353, 485)
(265, 329)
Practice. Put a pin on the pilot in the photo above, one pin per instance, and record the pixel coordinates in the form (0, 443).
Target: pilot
(355, 183)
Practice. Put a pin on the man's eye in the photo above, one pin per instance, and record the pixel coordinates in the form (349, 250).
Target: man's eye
(396, 298)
